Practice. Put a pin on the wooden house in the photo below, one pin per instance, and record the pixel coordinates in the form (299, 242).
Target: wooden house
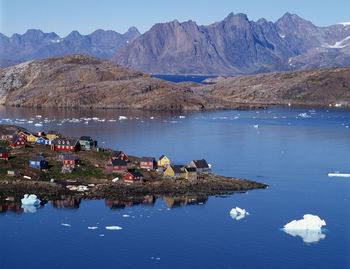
(4, 154)
(52, 135)
(163, 161)
(175, 171)
(40, 133)
(65, 144)
(32, 138)
(42, 141)
(148, 163)
(116, 165)
(118, 155)
(200, 165)
(8, 135)
(24, 134)
(71, 160)
(17, 142)
(87, 142)
(191, 172)
(38, 162)
(133, 177)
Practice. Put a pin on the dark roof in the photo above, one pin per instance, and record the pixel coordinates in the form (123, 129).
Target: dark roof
(136, 174)
(116, 153)
(37, 159)
(65, 142)
(3, 150)
(177, 168)
(191, 169)
(161, 157)
(118, 162)
(86, 138)
(201, 163)
(15, 138)
(148, 159)
(70, 157)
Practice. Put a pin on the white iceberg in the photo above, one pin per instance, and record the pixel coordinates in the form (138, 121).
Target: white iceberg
(66, 224)
(238, 213)
(113, 228)
(30, 200)
(122, 118)
(309, 222)
(93, 228)
(38, 124)
(304, 115)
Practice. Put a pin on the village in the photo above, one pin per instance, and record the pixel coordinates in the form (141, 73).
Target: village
(51, 154)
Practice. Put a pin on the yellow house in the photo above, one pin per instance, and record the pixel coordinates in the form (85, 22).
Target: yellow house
(175, 171)
(51, 135)
(191, 173)
(163, 161)
(32, 138)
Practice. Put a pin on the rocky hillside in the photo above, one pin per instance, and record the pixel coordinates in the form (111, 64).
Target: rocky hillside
(80, 80)
(237, 45)
(35, 44)
(319, 86)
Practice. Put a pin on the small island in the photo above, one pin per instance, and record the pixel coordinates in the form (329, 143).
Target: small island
(53, 166)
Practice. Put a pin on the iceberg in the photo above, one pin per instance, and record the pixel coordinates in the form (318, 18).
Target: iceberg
(113, 228)
(122, 118)
(30, 200)
(93, 228)
(66, 224)
(309, 222)
(238, 213)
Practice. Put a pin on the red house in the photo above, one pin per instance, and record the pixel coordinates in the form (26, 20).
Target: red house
(17, 142)
(148, 163)
(8, 136)
(118, 155)
(71, 160)
(65, 144)
(24, 134)
(133, 177)
(4, 154)
(117, 165)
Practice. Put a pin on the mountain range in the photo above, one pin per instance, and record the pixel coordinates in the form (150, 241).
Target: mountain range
(35, 44)
(237, 45)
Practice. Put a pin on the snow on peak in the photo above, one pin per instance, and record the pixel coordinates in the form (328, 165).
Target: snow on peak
(337, 45)
(344, 23)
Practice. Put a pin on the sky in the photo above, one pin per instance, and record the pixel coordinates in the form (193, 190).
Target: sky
(85, 16)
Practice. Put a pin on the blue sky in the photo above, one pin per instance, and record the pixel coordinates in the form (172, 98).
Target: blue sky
(63, 16)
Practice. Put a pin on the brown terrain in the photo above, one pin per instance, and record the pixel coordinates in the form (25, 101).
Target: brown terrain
(80, 80)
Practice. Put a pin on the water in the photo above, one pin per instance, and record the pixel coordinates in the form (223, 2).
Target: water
(184, 78)
(290, 153)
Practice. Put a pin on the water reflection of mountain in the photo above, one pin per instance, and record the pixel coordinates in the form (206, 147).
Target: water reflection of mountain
(121, 204)
(66, 203)
(184, 200)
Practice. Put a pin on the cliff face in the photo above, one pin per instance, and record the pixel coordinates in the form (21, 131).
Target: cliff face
(84, 81)
(237, 45)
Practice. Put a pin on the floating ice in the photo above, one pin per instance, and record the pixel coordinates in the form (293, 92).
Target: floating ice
(309, 222)
(151, 118)
(256, 125)
(93, 228)
(337, 174)
(66, 224)
(30, 200)
(113, 228)
(126, 216)
(123, 118)
(182, 117)
(337, 105)
(238, 213)
(304, 115)
(38, 124)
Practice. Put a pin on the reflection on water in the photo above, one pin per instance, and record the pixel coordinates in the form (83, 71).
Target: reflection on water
(179, 201)
(66, 203)
(15, 206)
(121, 204)
(308, 236)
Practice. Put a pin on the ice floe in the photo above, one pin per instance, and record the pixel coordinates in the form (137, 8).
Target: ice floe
(113, 228)
(308, 222)
(126, 216)
(256, 125)
(38, 125)
(238, 213)
(304, 115)
(30, 200)
(92, 228)
(122, 118)
(66, 224)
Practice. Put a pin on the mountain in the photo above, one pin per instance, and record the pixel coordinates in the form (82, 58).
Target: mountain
(80, 80)
(237, 45)
(34, 44)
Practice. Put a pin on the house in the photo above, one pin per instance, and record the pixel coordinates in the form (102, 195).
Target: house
(201, 165)
(163, 161)
(40, 133)
(133, 177)
(148, 163)
(68, 144)
(13, 173)
(4, 154)
(24, 134)
(116, 165)
(175, 171)
(47, 141)
(17, 142)
(38, 162)
(71, 160)
(191, 172)
(87, 142)
(52, 135)
(32, 138)
(118, 155)
(8, 135)
(42, 141)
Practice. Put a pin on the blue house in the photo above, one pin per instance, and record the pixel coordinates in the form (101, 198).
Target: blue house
(47, 141)
(38, 162)
(41, 141)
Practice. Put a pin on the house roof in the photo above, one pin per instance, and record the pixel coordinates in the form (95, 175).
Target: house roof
(161, 157)
(116, 153)
(15, 138)
(3, 150)
(70, 157)
(118, 162)
(85, 138)
(37, 158)
(148, 159)
(191, 169)
(177, 168)
(201, 163)
(65, 142)
(136, 174)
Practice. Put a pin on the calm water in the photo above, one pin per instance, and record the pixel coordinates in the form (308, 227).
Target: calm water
(184, 78)
(291, 153)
